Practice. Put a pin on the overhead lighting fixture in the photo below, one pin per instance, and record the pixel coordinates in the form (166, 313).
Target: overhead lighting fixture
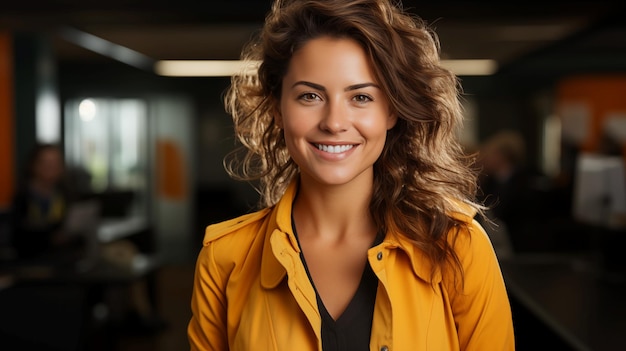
(224, 68)
(106, 48)
(471, 67)
(204, 68)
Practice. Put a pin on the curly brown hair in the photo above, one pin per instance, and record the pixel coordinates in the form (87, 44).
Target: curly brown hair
(423, 173)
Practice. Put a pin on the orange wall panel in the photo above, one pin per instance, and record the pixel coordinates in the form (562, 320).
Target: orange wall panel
(602, 94)
(170, 165)
(6, 119)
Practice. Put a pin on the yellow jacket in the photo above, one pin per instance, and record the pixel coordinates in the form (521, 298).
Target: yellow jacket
(251, 292)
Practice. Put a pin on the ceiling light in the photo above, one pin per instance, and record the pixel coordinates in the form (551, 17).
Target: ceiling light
(203, 68)
(224, 68)
(106, 48)
(471, 67)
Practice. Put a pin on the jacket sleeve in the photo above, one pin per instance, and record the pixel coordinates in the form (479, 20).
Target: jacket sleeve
(481, 307)
(207, 327)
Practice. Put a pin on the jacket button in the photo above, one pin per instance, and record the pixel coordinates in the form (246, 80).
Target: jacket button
(384, 348)
(379, 256)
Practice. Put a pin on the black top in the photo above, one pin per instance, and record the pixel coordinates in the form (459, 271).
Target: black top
(35, 221)
(351, 330)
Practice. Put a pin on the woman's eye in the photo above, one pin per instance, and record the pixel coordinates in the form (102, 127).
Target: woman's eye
(362, 98)
(309, 97)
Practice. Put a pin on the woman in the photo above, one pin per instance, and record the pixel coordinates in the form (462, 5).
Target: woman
(366, 239)
(40, 204)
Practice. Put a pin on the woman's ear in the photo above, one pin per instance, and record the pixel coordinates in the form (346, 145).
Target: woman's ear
(391, 120)
(278, 116)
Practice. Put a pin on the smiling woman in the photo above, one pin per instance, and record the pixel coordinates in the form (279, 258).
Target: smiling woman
(366, 238)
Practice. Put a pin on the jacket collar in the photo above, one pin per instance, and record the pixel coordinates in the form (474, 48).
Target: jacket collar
(420, 263)
(280, 232)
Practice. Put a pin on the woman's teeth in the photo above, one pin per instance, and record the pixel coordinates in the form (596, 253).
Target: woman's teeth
(334, 149)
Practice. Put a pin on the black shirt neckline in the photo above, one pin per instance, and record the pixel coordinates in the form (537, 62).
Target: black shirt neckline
(348, 331)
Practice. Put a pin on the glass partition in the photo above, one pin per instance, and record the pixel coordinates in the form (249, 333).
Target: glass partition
(106, 151)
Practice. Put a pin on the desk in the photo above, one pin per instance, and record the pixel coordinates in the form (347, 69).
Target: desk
(114, 229)
(53, 304)
(586, 309)
(44, 317)
(88, 273)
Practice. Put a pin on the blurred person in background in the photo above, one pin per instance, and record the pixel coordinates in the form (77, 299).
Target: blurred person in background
(39, 214)
(505, 186)
(40, 206)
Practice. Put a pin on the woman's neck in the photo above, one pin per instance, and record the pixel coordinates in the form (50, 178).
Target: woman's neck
(42, 187)
(334, 212)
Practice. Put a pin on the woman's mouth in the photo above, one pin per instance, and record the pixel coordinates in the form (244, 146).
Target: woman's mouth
(334, 149)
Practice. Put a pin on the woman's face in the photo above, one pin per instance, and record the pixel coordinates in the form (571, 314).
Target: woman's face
(48, 166)
(334, 115)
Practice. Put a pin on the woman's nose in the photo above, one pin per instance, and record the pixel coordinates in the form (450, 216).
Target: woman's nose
(336, 117)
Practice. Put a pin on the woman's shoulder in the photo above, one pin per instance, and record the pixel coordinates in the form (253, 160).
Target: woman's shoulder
(473, 249)
(470, 236)
(462, 211)
(229, 243)
(237, 228)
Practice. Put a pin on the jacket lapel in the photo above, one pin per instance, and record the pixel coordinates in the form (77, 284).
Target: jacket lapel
(278, 237)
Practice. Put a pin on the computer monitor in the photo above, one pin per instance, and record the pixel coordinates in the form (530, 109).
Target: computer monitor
(599, 196)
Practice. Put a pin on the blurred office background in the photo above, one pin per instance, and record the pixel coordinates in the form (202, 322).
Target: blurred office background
(146, 142)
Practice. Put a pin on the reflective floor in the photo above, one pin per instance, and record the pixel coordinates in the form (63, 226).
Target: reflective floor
(174, 286)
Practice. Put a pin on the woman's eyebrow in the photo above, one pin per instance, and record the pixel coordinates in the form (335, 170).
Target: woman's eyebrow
(322, 88)
(360, 86)
(309, 84)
